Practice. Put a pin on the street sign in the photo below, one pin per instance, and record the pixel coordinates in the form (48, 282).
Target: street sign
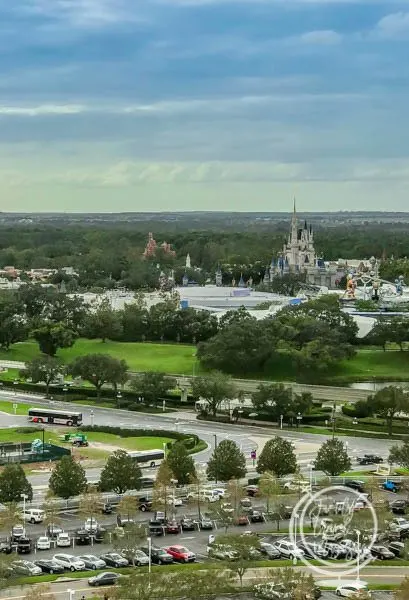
(253, 454)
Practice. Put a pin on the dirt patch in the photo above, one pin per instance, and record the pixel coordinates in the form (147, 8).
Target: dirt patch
(102, 446)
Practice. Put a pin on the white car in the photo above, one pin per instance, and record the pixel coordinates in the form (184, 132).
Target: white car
(204, 496)
(34, 515)
(63, 540)
(69, 562)
(288, 549)
(43, 543)
(91, 524)
(351, 589)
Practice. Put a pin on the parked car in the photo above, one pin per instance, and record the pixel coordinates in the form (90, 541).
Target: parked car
(355, 484)
(205, 523)
(99, 535)
(69, 562)
(398, 548)
(17, 532)
(135, 557)
(204, 496)
(172, 527)
(63, 540)
(222, 552)
(43, 543)
(6, 547)
(252, 490)
(113, 559)
(256, 517)
(54, 530)
(145, 505)
(398, 507)
(49, 566)
(82, 537)
(288, 549)
(25, 567)
(335, 550)
(241, 520)
(156, 528)
(104, 578)
(351, 589)
(92, 562)
(313, 550)
(181, 554)
(33, 515)
(369, 459)
(106, 508)
(391, 486)
(159, 556)
(24, 545)
(399, 524)
(91, 525)
(187, 524)
(382, 553)
(246, 504)
(270, 551)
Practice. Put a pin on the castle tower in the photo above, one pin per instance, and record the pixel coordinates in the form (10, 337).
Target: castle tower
(219, 276)
(188, 263)
(267, 275)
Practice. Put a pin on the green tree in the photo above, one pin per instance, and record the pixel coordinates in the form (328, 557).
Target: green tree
(332, 458)
(296, 584)
(9, 516)
(273, 398)
(13, 326)
(399, 455)
(121, 473)
(99, 369)
(287, 284)
(152, 386)
(270, 489)
(245, 549)
(181, 463)
(90, 505)
(68, 478)
(214, 389)
(52, 336)
(278, 457)
(43, 368)
(162, 498)
(104, 323)
(388, 402)
(227, 462)
(402, 593)
(134, 534)
(14, 483)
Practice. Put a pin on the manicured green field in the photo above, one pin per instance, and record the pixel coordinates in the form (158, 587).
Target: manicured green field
(105, 443)
(169, 358)
(375, 364)
(7, 407)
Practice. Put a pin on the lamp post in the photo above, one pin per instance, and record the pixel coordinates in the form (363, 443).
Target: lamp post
(355, 421)
(150, 560)
(92, 418)
(64, 391)
(358, 556)
(333, 420)
(25, 497)
(215, 447)
(118, 397)
(15, 383)
(281, 421)
(299, 419)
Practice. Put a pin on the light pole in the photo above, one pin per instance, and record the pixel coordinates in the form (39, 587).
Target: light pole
(281, 421)
(299, 419)
(15, 383)
(92, 418)
(215, 447)
(150, 560)
(164, 405)
(64, 391)
(25, 497)
(118, 397)
(358, 556)
(333, 420)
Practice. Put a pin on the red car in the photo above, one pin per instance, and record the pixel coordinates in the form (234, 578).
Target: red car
(172, 527)
(181, 554)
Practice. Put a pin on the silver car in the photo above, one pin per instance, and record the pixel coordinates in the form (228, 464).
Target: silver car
(135, 557)
(92, 562)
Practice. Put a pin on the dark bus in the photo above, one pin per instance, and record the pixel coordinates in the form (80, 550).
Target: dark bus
(59, 417)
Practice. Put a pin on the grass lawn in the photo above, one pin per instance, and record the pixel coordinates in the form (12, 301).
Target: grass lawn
(169, 358)
(112, 442)
(374, 364)
(7, 407)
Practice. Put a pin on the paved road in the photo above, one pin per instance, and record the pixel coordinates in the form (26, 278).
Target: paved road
(319, 392)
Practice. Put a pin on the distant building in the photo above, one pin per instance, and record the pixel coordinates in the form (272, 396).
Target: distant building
(152, 246)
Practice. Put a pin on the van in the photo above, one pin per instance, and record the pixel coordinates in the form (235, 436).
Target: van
(33, 515)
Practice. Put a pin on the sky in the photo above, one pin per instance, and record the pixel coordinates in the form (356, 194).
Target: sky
(171, 105)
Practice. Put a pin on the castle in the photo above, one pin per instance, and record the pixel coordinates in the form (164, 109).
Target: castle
(299, 256)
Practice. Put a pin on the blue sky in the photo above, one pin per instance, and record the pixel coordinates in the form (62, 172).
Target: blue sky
(118, 105)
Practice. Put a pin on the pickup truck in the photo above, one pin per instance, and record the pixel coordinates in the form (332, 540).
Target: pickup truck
(391, 486)
(369, 459)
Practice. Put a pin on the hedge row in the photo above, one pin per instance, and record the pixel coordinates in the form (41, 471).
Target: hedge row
(190, 440)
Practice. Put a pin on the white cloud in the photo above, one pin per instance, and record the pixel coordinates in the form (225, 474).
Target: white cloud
(41, 110)
(393, 26)
(322, 36)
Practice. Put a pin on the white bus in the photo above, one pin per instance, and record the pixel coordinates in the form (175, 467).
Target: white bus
(148, 458)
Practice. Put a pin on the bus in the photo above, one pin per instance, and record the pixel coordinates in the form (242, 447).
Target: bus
(60, 417)
(148, 458)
